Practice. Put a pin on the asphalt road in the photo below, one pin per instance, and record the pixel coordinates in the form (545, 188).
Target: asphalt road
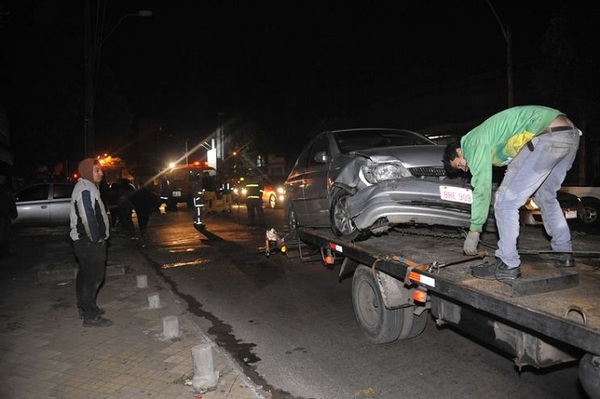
(291, 324)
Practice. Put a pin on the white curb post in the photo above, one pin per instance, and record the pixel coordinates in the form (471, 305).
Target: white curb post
(142, 281)
(205, 375)
(153, 301)
(170, 327)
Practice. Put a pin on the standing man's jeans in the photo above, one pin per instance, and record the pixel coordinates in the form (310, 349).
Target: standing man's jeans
(539, 172)
(92, 268)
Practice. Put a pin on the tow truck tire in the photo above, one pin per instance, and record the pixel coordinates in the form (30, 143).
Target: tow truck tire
(419, 322)
(379, 324)
(341, 224)
(589, 375)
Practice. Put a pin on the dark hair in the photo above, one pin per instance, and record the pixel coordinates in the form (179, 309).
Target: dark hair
(449, 156)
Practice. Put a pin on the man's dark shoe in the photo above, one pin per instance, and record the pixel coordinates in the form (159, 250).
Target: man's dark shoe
(100, 312)
(496, 271)
(97, 322)
(564, 260)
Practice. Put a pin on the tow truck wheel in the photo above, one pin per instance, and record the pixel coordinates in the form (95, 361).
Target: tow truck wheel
(379, 324)
(418, 323)
(589, 375)
(341, 224)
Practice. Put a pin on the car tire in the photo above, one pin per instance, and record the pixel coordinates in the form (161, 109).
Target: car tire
(272, 201)
(341, 224)
(589, 216)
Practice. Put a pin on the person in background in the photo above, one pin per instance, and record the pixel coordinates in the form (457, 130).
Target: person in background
(125, 190)
(254, 198)
(538, 144)
(8, 212)
(90, 230)
(144, 202)
(210, 191)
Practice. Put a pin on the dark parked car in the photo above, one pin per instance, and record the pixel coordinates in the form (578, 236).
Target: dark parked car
(530, 214)
(44, 204)
(363, 181)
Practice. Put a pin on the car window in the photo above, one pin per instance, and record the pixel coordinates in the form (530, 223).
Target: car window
(34, 193)
(321, 143)
(356, 140)
(302, 158)
(62, 191)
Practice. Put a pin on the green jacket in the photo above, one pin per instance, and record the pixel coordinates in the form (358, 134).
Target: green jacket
(495, 142)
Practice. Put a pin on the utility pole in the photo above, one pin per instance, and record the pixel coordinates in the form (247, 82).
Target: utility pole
(509, 62)
(88, 121)
(93, 42)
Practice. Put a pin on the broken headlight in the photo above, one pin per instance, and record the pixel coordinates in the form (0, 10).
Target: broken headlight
(376, 173)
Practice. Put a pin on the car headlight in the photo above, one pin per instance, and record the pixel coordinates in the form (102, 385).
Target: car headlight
(280, 190)
(530, 205)
(375, 173)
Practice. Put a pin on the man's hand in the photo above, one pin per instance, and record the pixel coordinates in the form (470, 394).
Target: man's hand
(470, 245)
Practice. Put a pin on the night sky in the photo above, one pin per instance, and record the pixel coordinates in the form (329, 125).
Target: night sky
(281, 64)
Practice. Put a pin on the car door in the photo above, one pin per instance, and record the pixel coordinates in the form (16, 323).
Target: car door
(294, 185)
(33, 205)
(60, 203)
(315, 195)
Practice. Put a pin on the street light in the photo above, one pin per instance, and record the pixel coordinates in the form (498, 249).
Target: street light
(509, 63)
(92, 58)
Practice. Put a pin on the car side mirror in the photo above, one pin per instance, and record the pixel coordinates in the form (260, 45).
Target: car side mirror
(322, 157)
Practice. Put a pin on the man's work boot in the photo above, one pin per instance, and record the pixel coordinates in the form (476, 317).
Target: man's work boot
(564, 259)
(97, 322)
(496, 271)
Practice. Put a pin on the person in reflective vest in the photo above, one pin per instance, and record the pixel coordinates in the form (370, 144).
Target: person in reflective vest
(254, 200)
(198, 196)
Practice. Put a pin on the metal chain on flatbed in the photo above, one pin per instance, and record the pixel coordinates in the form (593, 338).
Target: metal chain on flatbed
(431, 233)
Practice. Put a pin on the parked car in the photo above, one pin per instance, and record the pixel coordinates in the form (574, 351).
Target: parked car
(365, 181)
(274, 192)
(590, 198)
(44, 204)
(531, 215)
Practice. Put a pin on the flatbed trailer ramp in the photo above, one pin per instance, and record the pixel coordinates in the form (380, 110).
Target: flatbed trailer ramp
(549, 316)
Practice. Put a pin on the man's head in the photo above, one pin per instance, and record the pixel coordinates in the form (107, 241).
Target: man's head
(91, 170)
(453, 159)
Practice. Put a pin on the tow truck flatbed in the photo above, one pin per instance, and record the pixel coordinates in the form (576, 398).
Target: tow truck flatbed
(556, 306)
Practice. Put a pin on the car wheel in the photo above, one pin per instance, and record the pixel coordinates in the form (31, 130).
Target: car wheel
(341, 223)
(590, 211)
(272, 201)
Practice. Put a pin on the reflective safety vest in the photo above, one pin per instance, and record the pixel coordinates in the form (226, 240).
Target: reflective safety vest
(254, 190)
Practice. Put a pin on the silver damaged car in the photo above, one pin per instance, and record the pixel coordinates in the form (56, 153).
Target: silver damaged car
(366, 181)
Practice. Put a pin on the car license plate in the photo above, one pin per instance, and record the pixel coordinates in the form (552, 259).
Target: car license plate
(569, 214)
(456, 194)
(176, 193)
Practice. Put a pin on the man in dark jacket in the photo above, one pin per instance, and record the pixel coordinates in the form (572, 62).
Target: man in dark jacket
(145, 202)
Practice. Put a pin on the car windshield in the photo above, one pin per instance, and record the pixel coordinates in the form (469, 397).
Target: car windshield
(356, 140)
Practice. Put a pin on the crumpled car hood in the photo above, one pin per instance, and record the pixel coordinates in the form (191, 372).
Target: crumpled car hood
(410, 156)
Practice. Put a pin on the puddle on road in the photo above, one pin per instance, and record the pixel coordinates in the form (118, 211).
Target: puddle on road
(194, 262)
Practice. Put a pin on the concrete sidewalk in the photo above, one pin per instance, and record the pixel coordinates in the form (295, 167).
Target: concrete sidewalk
(45, 352)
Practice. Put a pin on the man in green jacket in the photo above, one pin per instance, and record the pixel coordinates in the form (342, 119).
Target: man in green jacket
(538, 144)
